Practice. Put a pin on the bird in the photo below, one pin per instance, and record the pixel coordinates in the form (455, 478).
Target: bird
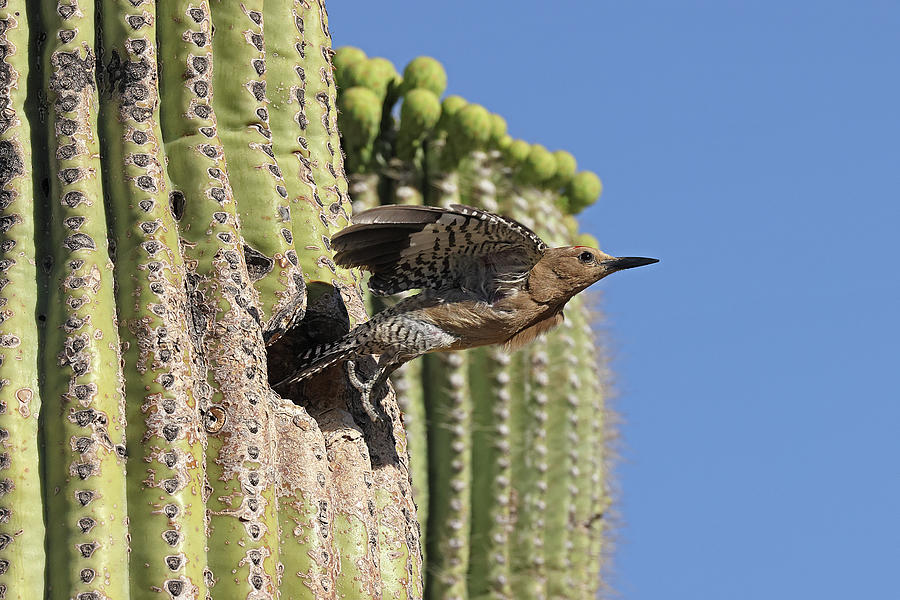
(483, 279)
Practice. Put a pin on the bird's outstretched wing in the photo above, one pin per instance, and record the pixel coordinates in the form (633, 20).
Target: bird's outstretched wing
(410, 247)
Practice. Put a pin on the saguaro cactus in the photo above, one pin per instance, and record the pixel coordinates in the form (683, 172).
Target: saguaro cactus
(170, 175)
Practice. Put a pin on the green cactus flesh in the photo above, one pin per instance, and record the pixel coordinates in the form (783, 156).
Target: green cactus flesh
(562, 402)
(586, 448)
(449, 462)
(243, 524)
(165, 463)
(83, 418)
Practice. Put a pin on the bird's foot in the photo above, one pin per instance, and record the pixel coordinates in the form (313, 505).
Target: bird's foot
(365, 389)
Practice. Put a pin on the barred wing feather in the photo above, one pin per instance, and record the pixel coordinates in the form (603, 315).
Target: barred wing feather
(412, 247)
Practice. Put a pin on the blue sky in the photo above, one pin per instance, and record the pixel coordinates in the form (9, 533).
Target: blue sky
(755, 149)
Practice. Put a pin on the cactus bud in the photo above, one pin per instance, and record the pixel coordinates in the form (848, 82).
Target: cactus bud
(419, 113)
(586, 239)
(468, 130)
(539, 166)
(449, 107)
(426, 73)
(582, 191)
(343, 58)
(516, 152)
(358, 119)
(498, 130)
(565, 169)
(377, 74)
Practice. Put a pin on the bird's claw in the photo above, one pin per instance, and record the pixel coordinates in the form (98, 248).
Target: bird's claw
(364, 388)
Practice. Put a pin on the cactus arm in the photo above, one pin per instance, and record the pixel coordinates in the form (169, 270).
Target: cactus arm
(234, 397)
(21, 512)
(529, 468)
(83, 417)
(259, 188)
(560, 424)
(166, 467)
(307, 510)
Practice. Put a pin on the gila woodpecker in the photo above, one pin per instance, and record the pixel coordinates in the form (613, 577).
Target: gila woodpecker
(484, 279)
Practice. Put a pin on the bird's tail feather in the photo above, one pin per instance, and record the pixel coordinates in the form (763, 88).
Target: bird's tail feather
(317, 359)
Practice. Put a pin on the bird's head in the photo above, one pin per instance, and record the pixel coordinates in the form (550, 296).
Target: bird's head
(563, 272)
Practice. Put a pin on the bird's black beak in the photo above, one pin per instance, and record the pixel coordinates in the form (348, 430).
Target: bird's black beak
(628, 262)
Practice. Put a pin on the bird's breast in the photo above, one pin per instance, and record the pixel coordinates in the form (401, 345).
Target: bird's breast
(478, 323)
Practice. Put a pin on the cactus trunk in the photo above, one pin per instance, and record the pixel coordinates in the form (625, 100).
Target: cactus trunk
(167, 194)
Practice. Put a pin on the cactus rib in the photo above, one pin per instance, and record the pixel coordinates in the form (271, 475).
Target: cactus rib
(259, 189)
(21, 513)
(84, 412)
(235, 399)
(166, 467)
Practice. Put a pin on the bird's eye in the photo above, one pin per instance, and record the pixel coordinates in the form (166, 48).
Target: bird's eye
(586, 257)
